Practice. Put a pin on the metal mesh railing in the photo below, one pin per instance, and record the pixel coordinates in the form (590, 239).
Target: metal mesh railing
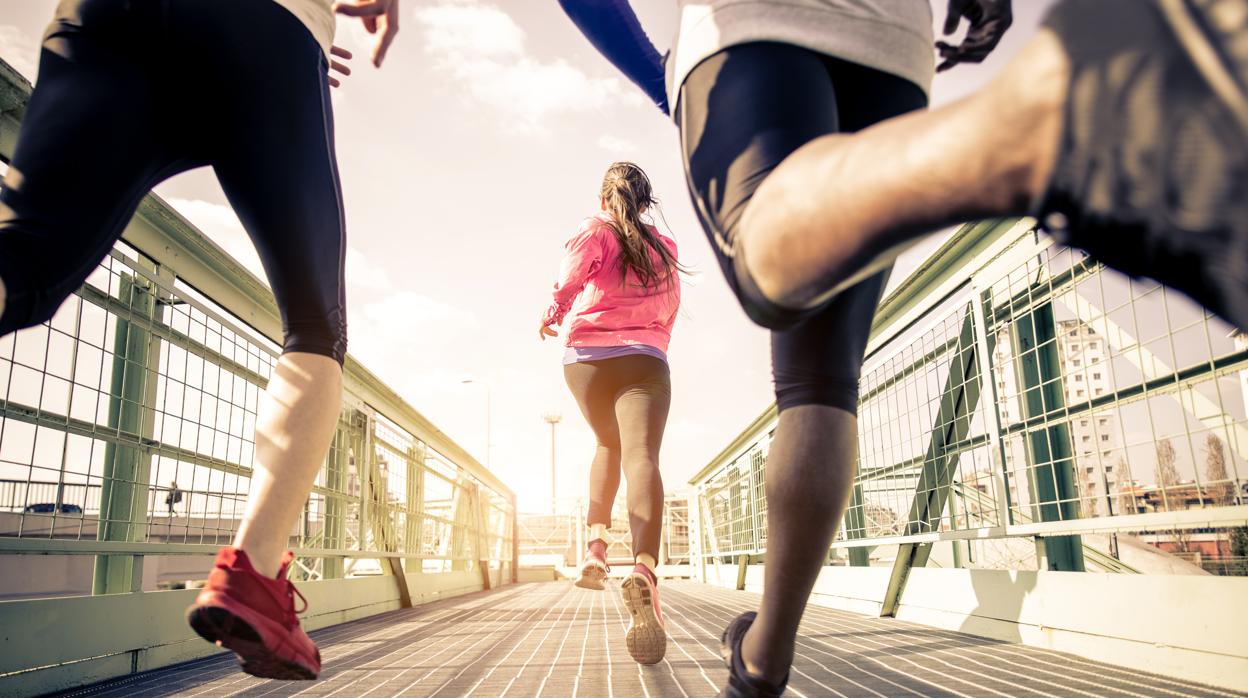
(129, 419)
(1014, 388)
(561, 538)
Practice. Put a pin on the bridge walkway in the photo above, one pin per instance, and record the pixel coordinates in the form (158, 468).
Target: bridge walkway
(553, 639)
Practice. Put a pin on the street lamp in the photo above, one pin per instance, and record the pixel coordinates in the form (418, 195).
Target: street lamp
(552, 418)
(488, 439)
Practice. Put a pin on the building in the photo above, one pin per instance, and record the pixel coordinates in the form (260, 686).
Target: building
(1084, 355)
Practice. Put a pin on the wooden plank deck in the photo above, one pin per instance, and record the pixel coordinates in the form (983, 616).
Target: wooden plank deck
(552, 639)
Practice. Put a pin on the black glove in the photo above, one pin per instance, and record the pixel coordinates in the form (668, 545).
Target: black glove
(989, 20)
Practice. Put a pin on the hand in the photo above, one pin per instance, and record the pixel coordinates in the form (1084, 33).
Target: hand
(989, 20)
(376, 14)
(340, 67)
(546, 331)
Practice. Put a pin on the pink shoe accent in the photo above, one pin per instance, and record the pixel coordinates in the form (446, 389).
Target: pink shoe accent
(255, 617)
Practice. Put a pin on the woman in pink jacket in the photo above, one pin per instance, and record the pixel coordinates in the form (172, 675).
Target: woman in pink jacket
(619, 287)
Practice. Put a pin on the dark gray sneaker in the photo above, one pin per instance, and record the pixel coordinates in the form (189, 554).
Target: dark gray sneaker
(741, 683)
(1151, 175)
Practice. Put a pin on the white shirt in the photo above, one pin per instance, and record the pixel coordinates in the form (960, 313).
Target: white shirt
(894, 36)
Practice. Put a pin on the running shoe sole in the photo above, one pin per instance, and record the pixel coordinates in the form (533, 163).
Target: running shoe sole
(1224, 67)
(592, 577)
(646, 638)
(225, 629)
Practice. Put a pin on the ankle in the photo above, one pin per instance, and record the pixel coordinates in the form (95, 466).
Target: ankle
(264, 564)
(765, 659)
(648, 560)
(597, 547)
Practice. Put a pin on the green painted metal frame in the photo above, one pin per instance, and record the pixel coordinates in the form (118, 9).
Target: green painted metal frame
(959, 399)
(171, 247)
(950, 271)
(1052, 479)
(123, 497)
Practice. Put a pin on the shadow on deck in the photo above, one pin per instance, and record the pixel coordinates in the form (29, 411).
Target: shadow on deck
(554, 639)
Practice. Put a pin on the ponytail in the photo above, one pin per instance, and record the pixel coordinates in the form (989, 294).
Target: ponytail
(626, 192)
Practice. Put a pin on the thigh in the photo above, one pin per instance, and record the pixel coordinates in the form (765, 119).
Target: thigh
(642, 403)
(93, 142)
(741, 112)
(820, 360)
(278, 167)
(594, 388)
(744, 111)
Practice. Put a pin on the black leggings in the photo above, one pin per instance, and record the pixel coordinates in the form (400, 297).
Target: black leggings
(132, 92)
(625, 400)
(741, 112)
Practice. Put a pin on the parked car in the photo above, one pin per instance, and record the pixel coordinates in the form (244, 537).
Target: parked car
(50, 507)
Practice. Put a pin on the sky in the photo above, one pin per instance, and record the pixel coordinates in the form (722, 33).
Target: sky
(467, 161)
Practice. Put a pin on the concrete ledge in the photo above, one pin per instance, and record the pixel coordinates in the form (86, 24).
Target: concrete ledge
(854, 589)
(1176, 625)
(53, 644)
(538, 574)
(1183, 626)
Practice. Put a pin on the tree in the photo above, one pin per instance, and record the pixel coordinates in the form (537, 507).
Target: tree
(1167, 478)
(1126, 488)
(1167, 473)
(1239, 550)
(1218, 485)
(1083, 482)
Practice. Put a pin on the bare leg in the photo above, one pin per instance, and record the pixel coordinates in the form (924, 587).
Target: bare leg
(294, 428)
(832, 207)
(809, 474)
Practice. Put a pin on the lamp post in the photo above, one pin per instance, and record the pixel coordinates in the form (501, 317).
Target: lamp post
(552, 419)
(488, 438)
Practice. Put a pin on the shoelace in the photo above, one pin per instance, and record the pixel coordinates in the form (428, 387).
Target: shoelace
(292, 615)
(591, 556)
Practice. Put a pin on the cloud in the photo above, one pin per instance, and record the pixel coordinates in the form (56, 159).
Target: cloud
(221, 225)
(612, 144)
(483, 49)
(363, 273)
(19, 50)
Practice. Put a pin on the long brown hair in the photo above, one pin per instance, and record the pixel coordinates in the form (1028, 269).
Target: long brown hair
(626, 192)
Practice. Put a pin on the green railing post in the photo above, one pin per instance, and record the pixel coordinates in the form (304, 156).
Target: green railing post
(1052, 482)
(959, 399)
(127, 469)
(414, 531)
(461, 542)
(336, 467)
(856, 527)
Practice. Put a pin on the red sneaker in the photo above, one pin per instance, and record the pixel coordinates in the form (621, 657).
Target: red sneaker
(646, 638)
(594, 569)
(241, 610)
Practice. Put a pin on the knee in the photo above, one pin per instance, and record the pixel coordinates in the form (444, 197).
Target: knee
(800, 390)
(610, 447)
(325, 335)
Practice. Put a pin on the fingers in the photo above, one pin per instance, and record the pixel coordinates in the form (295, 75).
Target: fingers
(390, 28)
(989, 22)
(362, 8)
(954, 17)
(339, 67)
(333, 82)
(340, 52)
